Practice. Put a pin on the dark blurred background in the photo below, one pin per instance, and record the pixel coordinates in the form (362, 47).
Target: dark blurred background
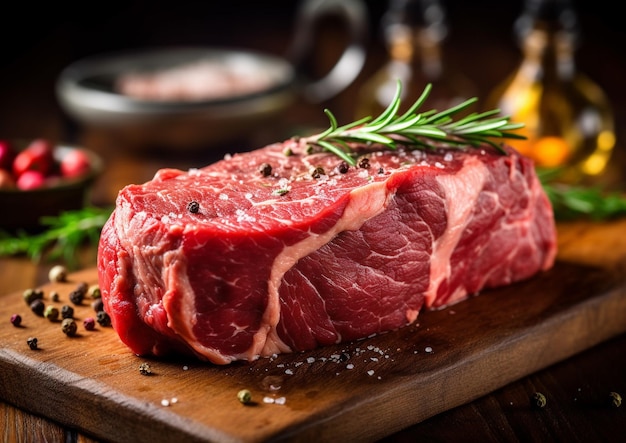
(37, 42)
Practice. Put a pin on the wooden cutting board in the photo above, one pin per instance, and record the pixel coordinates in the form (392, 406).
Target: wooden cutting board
(360, 391)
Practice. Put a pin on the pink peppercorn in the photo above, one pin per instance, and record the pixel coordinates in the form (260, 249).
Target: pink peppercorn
(89, 323)
(16, 320)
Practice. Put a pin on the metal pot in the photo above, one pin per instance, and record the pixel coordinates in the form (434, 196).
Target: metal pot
(87, 90)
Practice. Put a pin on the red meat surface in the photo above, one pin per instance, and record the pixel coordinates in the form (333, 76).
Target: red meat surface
(289, 260)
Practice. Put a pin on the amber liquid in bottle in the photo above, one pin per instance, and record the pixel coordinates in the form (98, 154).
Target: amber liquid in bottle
(568, 119)
(414, 32)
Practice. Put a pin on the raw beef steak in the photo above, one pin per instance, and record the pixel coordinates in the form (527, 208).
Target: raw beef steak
(277, 250)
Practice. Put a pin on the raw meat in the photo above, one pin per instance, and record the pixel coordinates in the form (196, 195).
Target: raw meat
(265, 252)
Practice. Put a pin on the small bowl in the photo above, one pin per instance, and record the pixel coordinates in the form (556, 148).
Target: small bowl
(24, 209)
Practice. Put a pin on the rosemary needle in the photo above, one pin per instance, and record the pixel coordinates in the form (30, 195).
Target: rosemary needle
(426, 130)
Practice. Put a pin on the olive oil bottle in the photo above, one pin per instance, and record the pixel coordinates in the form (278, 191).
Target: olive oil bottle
(568, 119)
(414, 32)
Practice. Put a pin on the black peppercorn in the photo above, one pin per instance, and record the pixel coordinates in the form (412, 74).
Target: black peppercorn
(32, 343)
(103, 318)
(364, 163)
(31, 295)
(265, 169)
(77, 296)
(318, 172)
(37, 306)
(67, 311)
(97, 305)
(82, 287)
(343, 167)
(193, 207)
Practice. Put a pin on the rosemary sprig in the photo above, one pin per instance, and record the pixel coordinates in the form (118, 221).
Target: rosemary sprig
(573, 202)
(425, 130)
(60, 238)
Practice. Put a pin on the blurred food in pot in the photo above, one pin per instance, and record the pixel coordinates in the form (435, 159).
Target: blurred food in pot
(201, 80)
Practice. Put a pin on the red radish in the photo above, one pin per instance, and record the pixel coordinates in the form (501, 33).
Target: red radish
(7, 154)
(30, 180)
(75, 163)
(36, 157)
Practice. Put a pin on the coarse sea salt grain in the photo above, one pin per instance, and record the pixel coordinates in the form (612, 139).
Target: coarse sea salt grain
(428, 349)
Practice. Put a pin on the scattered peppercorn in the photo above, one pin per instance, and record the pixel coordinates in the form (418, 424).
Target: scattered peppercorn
(67, 311)
(16, 320)
(94, 291)
(193, 207)
(103, 318)
(244, 396)
(616, 399)
(31, 295)
(364, 163)
(89, 323)
(97, 305)
(37, 306)
(54, 296)
(539, 400)
(144, 369)
(265, 169)
(57, 274)
(310, 150)
(32, 342)
(318, 172)
(287, 152)
(77, 296)
(82, 287)
(343, 167)
(51, 313)
(381, 171)
(69, 327)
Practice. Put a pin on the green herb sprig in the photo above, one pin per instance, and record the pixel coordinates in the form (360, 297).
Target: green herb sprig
(425, 130)
(573, 202)
(61, 236)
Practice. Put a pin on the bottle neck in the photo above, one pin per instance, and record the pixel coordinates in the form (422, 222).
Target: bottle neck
(419, 48)
(550, 53)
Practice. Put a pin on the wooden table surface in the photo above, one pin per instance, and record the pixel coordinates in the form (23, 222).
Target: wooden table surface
(50, 38)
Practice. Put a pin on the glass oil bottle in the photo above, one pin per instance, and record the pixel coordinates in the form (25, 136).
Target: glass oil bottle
(568, 120)
(414, 32)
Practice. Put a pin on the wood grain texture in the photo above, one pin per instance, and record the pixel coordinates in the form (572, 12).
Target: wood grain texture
(366, 390)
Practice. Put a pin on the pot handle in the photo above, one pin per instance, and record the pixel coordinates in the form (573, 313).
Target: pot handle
(351, 61)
